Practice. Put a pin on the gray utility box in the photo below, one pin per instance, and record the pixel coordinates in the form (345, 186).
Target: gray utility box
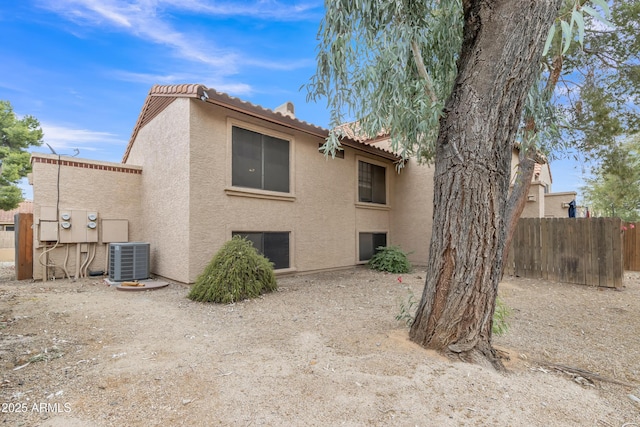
(128, 261)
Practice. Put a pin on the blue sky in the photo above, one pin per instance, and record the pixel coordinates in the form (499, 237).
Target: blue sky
(84, 67)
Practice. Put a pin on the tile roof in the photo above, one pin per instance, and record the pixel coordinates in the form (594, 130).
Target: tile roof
(160, 96)
(6, 217)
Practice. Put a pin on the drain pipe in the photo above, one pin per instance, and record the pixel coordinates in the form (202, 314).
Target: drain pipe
(77, 261)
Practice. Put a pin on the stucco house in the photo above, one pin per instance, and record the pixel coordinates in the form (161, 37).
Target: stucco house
(202, 166)
(541, 202)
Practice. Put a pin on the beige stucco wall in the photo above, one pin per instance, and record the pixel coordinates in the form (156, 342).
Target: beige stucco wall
(534, 207)
(86, 186)
(412, 216)
(555, 204)
(7, 246)
(162, 149)
(320, 212)
(7, 254)
(545, 176)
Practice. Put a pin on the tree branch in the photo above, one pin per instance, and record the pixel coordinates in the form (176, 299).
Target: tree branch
(422, 71)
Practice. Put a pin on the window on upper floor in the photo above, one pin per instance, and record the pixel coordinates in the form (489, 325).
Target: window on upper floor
(259, 161)
(368, 244)
(371, 183)
(273, 245)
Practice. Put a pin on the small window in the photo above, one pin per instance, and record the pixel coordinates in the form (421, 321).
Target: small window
(259, 161)
(371, 183)
(273, 245)
(369, 244)
(9, 228)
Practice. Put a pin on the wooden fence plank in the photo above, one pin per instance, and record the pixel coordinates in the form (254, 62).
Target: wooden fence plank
(587, 251)
(632, 246)
(602, 252)
(617, 266)
(544, 250)
(587, 245)
(24, 246)
(635, 248)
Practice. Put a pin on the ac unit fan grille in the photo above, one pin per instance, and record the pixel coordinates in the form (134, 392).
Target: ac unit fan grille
(128, 261)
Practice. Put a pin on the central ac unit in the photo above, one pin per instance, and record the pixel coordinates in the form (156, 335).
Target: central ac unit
(128, 261)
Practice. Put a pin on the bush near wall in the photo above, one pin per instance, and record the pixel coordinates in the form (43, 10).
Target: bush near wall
(235, 273)
(390, 259)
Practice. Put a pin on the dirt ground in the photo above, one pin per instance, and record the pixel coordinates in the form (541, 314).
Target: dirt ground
(325, 349)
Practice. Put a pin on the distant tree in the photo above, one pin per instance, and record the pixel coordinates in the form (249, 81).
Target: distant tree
(587, 94)
(16, 136)
(614, 190)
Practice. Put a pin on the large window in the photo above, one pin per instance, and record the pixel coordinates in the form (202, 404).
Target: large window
(273, 245)
(371, 183)
(259, 161)
(369, 244)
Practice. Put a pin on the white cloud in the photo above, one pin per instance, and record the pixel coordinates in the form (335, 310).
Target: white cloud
(262, 9)
(236, 89)
(65, 139)
(149, 20)
(149, 78)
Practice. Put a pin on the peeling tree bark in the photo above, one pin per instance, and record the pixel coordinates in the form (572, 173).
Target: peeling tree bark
(500, 52)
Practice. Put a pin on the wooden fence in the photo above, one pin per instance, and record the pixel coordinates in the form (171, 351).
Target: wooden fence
(585, 251)
(631, 246)
(24, 246)
(7, 239)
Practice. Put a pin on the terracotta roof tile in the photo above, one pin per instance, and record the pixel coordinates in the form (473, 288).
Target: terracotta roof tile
(537, 169)
(153, 107)
(6, 217)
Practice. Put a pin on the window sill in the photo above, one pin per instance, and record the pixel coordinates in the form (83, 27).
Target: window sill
(375, 206)
(259, 194)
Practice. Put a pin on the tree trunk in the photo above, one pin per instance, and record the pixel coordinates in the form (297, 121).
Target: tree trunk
(501, 50)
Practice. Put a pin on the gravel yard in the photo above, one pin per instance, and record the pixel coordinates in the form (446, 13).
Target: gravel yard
(325, 349)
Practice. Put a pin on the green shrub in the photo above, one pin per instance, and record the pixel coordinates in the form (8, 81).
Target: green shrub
(500, 325)
(408, 310)
(235, 273)
(391, 259)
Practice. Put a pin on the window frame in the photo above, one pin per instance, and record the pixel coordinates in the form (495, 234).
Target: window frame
(232, 190)
(378, 164)
(261, 250)
(385, 233)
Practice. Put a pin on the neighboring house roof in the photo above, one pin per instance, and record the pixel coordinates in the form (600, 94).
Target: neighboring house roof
(160, 96)
(6, 217)
(537, 170)
(353, 131)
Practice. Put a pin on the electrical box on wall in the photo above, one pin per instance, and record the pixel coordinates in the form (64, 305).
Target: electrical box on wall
(91, 227)
(115, 230)
(48, 231)
(78, 226)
